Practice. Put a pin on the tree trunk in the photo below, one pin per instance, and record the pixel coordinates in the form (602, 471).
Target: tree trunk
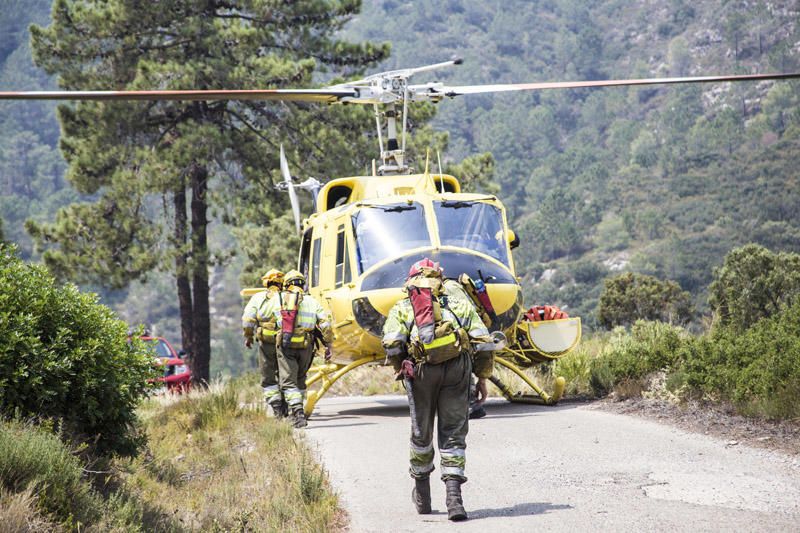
(201, 322)
(181, 269)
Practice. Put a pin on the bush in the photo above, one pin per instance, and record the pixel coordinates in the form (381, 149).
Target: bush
(34, 460)
(753, 283)
(66, 358)
(629, 297)
(757, 369)
(650, 347)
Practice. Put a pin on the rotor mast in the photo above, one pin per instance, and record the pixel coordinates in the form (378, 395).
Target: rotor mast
(386, 91)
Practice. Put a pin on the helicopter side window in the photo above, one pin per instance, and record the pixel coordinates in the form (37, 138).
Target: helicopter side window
(342, 259)
(315, 259)
(474, 225)
(383, 231)
(305, 253)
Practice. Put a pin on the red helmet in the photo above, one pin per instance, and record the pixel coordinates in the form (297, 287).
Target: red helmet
(417, 267)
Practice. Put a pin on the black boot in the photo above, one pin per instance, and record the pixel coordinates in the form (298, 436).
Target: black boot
(298, 417)
(455, 506)
(278, 410)
(421, 495)
(476, 411)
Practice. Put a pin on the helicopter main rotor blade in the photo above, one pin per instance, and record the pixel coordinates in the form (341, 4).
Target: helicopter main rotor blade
(291, 95)
(287, 179)
(478, 89)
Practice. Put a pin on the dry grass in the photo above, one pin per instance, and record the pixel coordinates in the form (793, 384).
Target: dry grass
(367, 380)
(19, 513)
(214, 465)
(214, 462)
(576, 366)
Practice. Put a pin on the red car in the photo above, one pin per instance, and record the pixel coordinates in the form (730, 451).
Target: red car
(177, 375)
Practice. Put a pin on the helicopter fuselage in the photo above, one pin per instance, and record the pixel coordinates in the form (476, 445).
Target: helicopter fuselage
(357, 248)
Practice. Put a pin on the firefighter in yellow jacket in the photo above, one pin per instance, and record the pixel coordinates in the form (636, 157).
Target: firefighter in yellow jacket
(258, 323)
(429, 339)
(301, 321)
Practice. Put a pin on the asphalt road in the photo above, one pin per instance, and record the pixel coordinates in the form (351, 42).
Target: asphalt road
(566, 468)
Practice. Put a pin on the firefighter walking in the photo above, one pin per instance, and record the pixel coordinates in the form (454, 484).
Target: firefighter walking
(427, 337)
(259, 324)
(300, 320)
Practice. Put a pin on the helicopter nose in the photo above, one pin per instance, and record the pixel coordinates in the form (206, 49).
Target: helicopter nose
(388, 277)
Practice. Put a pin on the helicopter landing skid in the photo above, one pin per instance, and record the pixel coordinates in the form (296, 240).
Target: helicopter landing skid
(328, 374)
(541, 397)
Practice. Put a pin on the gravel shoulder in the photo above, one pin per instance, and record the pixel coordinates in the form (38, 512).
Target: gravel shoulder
(707, 419)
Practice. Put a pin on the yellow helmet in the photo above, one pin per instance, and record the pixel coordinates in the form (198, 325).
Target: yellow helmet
(273, 277)
(294, 278)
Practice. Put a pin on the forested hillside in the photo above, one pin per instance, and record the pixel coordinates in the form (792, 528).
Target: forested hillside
(663, 181)
(660, 180)
(32, 183)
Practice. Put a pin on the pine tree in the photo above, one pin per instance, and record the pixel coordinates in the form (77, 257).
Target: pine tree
(156, 169)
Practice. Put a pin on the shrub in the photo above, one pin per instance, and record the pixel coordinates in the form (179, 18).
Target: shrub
(651, 346)
(629, 297)
(753, 283)
(34, 460)
(757, 369)
(66, 358)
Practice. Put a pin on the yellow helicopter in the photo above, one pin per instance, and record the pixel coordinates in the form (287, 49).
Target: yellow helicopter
(366, 231)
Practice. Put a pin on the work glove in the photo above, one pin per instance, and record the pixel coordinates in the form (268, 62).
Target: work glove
(406, 369)
(248, 342)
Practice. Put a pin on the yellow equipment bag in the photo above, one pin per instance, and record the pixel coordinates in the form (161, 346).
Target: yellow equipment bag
(445, 345)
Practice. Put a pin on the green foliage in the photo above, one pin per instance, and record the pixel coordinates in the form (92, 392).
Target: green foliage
(138, 160)
(475, 173)
(650, 347)
(32, 458)
(67, 358)
(754, 283)
(757, 369)
(629, 297)
(37, 469)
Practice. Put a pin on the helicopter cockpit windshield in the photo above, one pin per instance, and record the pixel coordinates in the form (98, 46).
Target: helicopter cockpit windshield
(384, 231)
(476, 226)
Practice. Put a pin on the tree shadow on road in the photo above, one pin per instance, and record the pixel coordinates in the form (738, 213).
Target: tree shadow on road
(520, 509)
